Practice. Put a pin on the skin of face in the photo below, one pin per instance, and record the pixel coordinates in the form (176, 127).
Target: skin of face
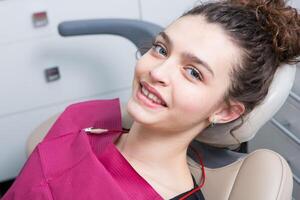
(192, 93)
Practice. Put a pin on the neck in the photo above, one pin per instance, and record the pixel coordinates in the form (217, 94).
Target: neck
(154, 150)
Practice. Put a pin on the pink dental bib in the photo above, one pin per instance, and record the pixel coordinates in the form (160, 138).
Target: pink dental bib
(70, 164)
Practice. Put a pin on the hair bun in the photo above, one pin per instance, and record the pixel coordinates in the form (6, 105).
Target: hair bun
(282, 21)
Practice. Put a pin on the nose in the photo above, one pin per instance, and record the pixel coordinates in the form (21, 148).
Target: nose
(160, 74)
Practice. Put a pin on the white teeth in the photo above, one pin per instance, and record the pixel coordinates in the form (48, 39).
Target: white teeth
(151, 96)
(145, 92)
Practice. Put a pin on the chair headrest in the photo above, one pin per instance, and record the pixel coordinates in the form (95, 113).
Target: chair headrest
(219, 135)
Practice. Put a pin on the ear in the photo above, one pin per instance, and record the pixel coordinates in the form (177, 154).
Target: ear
(227, 113)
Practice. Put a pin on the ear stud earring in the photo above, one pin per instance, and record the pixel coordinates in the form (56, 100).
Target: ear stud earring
(213, 121)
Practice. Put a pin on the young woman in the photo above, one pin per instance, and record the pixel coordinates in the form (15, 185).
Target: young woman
(214, 64)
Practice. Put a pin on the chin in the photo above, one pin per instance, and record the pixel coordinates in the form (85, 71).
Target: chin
(135, 111)
(139, 114)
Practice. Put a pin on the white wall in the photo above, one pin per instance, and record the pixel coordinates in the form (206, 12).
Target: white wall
(295, 3)
(164, 12)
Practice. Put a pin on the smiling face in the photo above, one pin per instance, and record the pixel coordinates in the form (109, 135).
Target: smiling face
(180, 82)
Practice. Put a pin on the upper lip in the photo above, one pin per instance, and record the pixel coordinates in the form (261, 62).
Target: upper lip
(153, 91)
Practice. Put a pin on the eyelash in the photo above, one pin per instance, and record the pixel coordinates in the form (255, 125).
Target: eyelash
(198, 75)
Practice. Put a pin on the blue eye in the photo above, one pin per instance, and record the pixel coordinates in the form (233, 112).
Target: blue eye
(192, 71)
(159, 49)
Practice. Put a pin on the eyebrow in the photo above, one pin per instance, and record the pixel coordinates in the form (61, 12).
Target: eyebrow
(187, 55)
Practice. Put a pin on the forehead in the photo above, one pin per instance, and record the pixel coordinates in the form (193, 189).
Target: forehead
(205, 40)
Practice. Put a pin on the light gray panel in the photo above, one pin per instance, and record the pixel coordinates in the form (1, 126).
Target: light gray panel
(88, 65)
(92, 9)
(164, 12)
(296, 86)
(295, 3)
(16, 15)
(16, 23)
(296, 191)
(289, 115)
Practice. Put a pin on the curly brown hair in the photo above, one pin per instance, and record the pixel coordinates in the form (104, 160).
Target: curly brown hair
(268, 33)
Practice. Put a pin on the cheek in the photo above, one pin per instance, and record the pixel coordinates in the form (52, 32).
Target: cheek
(188, 99)
(193, 101)
(139, 69)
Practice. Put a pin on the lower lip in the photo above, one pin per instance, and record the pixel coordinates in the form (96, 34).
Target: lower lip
(147, 102)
